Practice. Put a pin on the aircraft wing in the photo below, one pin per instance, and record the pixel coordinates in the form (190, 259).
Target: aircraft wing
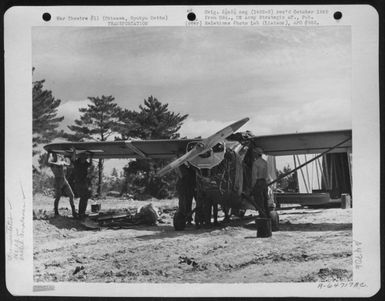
(305, 143)
(276, 145)
(125, 149)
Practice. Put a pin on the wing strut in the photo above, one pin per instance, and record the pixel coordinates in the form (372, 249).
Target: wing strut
(311, 160)
(135, 149)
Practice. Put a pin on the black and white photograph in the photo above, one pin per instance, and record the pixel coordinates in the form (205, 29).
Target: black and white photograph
(210, 154)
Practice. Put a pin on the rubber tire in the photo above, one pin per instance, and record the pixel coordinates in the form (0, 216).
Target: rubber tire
(274, 220)
(241, 213)
(179, 221)
(238, 212)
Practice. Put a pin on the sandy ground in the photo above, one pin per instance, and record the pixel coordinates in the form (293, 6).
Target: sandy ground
(312, 245)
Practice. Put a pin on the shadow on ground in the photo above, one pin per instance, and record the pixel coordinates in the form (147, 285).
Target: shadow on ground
(65, 222)
(307, 227)
(315, 227)
(168, 231)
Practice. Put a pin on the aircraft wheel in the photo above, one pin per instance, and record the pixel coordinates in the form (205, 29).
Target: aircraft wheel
(274, 220)
(179, 221)
(240, 213)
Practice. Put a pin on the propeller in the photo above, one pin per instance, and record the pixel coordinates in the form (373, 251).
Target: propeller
(203, 146)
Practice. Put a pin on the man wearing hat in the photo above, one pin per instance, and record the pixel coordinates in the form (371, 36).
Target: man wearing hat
(259, 176)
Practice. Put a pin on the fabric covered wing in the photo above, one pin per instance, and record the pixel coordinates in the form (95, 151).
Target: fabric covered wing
(124, 149)
(305, 143)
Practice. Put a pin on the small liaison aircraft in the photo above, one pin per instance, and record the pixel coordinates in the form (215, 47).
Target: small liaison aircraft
(220, 165)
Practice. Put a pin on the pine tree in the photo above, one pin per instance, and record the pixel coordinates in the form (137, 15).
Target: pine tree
(97, 122)
(288, 183)
(44, 116)
(43, 159)
(153, 121)
(114, 173)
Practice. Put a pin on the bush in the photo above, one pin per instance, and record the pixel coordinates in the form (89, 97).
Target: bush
(144, 184)
(43, 183)
(111, 183)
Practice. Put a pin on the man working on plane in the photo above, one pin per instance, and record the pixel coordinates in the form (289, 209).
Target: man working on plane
(58, 167)
(186, 189)
(81, 181)
(259, 176)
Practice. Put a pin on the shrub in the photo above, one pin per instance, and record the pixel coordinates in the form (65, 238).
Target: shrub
(43, 183)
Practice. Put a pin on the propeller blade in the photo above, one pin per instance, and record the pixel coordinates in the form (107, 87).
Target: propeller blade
(176, 163)
(223, 134)
(203, 146)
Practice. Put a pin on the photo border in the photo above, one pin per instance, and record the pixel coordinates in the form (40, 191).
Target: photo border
(366, 156)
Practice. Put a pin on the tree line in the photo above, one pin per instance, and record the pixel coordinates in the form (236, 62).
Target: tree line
(103, 119)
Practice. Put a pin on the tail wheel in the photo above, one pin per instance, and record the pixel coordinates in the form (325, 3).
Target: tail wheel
(274, 220)
(179, 221)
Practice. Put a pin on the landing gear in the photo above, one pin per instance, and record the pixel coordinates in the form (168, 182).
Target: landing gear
(179, 221)
(238, 212)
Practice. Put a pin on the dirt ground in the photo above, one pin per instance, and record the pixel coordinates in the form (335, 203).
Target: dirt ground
(312, 245)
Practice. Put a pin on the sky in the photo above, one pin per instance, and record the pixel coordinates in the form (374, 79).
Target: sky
(285, 79)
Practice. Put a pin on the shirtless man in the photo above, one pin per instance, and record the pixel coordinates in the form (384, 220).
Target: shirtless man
(259, 177)
(58, 167)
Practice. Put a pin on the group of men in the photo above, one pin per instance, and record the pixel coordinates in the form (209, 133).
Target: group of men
(185, 187)
(59, 165)
(257, 193)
